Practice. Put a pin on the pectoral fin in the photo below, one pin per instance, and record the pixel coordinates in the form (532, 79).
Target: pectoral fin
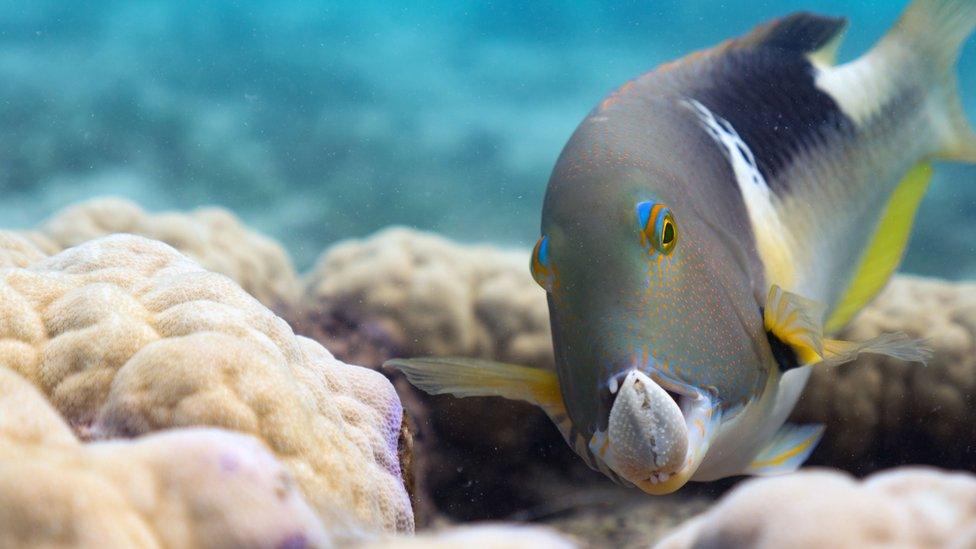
(469, 377)
(787, 450)
(794, 328)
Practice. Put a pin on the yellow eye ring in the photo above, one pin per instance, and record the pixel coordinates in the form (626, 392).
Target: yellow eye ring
(658, 228)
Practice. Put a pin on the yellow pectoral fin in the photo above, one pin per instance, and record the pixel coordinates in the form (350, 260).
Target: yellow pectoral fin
(794, 321)
(471, 377)
(468, 377)
(885, 249)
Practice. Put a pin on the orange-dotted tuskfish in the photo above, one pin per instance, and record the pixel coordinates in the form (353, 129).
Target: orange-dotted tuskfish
(705, 227)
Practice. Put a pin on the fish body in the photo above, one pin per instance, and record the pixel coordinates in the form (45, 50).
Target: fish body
(709, 222)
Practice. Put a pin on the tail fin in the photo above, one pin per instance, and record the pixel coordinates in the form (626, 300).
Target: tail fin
(936, 31)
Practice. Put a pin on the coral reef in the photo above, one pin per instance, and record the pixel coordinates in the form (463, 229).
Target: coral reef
(180, 488)
(119, 353)
(882, 412)
(214, 237)
(908, 507)
(18, 250)
(126, 337)
(436, 297)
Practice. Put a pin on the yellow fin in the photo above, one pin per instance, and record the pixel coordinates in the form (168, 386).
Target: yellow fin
(787, 450)
(885, 249)
(470, 377)
(795, 321)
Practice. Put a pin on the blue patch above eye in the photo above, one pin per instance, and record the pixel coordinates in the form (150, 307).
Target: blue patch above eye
(643, 213)
(543, 256)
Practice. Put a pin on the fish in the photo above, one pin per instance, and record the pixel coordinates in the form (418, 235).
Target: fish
(707, 229)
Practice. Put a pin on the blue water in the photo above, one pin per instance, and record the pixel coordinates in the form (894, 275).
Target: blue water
(316, 121)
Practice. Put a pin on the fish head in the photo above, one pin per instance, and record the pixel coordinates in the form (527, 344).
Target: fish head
(654, 325)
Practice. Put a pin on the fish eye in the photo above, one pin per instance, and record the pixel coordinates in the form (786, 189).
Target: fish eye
(658, 229)
(542, 263)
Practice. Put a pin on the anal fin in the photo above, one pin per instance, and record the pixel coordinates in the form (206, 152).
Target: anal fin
(885, 249)
(787, 450)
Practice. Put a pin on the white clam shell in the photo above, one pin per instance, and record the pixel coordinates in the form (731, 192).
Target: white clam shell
(647, 431)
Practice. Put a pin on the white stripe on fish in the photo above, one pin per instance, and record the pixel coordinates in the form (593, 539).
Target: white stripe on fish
(772, 237)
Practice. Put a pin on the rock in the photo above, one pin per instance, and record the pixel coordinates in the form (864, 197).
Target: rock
(482, 536)
(908, 507)
(214, 237)
(882, 412)
(625, 519)
(180, 488)
(127, 337)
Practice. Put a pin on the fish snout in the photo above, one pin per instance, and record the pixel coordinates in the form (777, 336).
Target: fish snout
(647, 431)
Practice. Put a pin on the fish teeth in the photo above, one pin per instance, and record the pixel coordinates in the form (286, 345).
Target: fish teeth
(659, 478)
(613, 385)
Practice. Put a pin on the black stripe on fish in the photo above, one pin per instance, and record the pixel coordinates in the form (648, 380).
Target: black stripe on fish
(801, 32)
(768, 94)
(785, 355)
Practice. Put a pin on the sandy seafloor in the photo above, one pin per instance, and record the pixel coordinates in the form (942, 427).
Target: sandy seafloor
(316, 121)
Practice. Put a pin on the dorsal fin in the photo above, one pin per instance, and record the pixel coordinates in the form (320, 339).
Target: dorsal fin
(806, 33)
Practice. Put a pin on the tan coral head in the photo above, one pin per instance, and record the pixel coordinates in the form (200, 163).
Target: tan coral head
(650, 441)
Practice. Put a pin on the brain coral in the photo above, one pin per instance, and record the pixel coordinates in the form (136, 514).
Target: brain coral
(180, 488)
(909, 507)
(214, 237)
(436, 297)
(17, 250)
(125, 336)
(881, 411)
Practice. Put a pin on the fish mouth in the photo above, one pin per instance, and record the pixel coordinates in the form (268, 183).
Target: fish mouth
(654, 432)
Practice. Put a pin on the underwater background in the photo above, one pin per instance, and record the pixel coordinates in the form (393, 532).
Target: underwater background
(226, 392)
(317, 121)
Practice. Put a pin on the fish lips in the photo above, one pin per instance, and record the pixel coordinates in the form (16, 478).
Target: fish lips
(647, 431)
